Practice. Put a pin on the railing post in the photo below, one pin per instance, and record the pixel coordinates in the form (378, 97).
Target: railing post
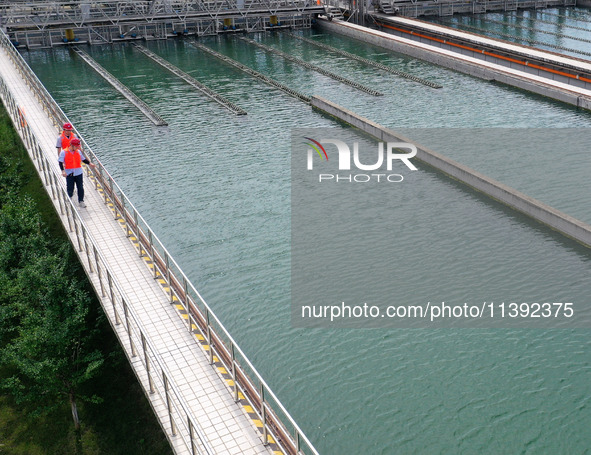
(137, 234)
(103, 184)
(186, 303)
(44, 168)
(172, 426)
(113, 198)
(209, 337)
(186, 292)
(147, 360)
(123, 215)
(26, 130)
(167, 262)
(234, 375)
(191, 436)
(110, 281)
(135, 222)
(77, 234)
(69, 210)
(152, 254)
(30, 135)
(98, 269)
(125, 312)
(264, 416)
(50, 183)
(86, 248)
(95, 179)
(60, 195)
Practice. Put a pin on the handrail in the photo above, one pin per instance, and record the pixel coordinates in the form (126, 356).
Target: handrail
(86, 243)
(257, 392)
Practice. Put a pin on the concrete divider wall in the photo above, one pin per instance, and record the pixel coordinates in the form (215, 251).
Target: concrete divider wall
(537, 210)
(398, 44)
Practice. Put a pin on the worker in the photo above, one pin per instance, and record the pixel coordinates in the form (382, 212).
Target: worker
(70, 161)
(63, 140)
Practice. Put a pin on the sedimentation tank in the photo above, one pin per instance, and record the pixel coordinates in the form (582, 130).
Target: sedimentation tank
(215, 187)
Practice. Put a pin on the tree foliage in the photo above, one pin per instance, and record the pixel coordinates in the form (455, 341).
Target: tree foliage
(47, 331)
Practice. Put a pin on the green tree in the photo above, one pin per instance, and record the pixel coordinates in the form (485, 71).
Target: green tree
(22, 240)
(46, 327)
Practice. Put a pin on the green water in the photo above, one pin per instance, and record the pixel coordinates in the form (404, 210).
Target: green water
(216, 190)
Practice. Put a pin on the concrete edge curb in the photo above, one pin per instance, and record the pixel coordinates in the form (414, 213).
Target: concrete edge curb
(543, 213)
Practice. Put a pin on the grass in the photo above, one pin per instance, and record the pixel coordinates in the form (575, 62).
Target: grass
(124, 422)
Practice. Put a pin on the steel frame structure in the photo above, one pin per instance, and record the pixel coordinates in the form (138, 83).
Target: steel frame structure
(44, 22)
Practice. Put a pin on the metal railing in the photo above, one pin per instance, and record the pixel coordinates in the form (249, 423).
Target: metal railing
(181, 419)
(248, 384)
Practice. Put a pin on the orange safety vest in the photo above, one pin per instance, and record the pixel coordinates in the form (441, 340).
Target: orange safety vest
(66, 140)
(72, 159)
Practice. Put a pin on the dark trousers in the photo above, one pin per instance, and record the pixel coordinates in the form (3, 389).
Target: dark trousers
(75, 179)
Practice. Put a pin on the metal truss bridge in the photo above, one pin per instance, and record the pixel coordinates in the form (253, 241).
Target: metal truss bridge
(47, 23)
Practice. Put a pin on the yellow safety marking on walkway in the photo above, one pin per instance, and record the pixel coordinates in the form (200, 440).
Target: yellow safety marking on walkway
(202, 341)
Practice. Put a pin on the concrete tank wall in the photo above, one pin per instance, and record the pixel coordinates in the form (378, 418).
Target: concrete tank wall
(537, 210)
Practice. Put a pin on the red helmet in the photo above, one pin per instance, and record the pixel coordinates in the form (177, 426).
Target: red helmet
(75, 141)
(68, 127)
